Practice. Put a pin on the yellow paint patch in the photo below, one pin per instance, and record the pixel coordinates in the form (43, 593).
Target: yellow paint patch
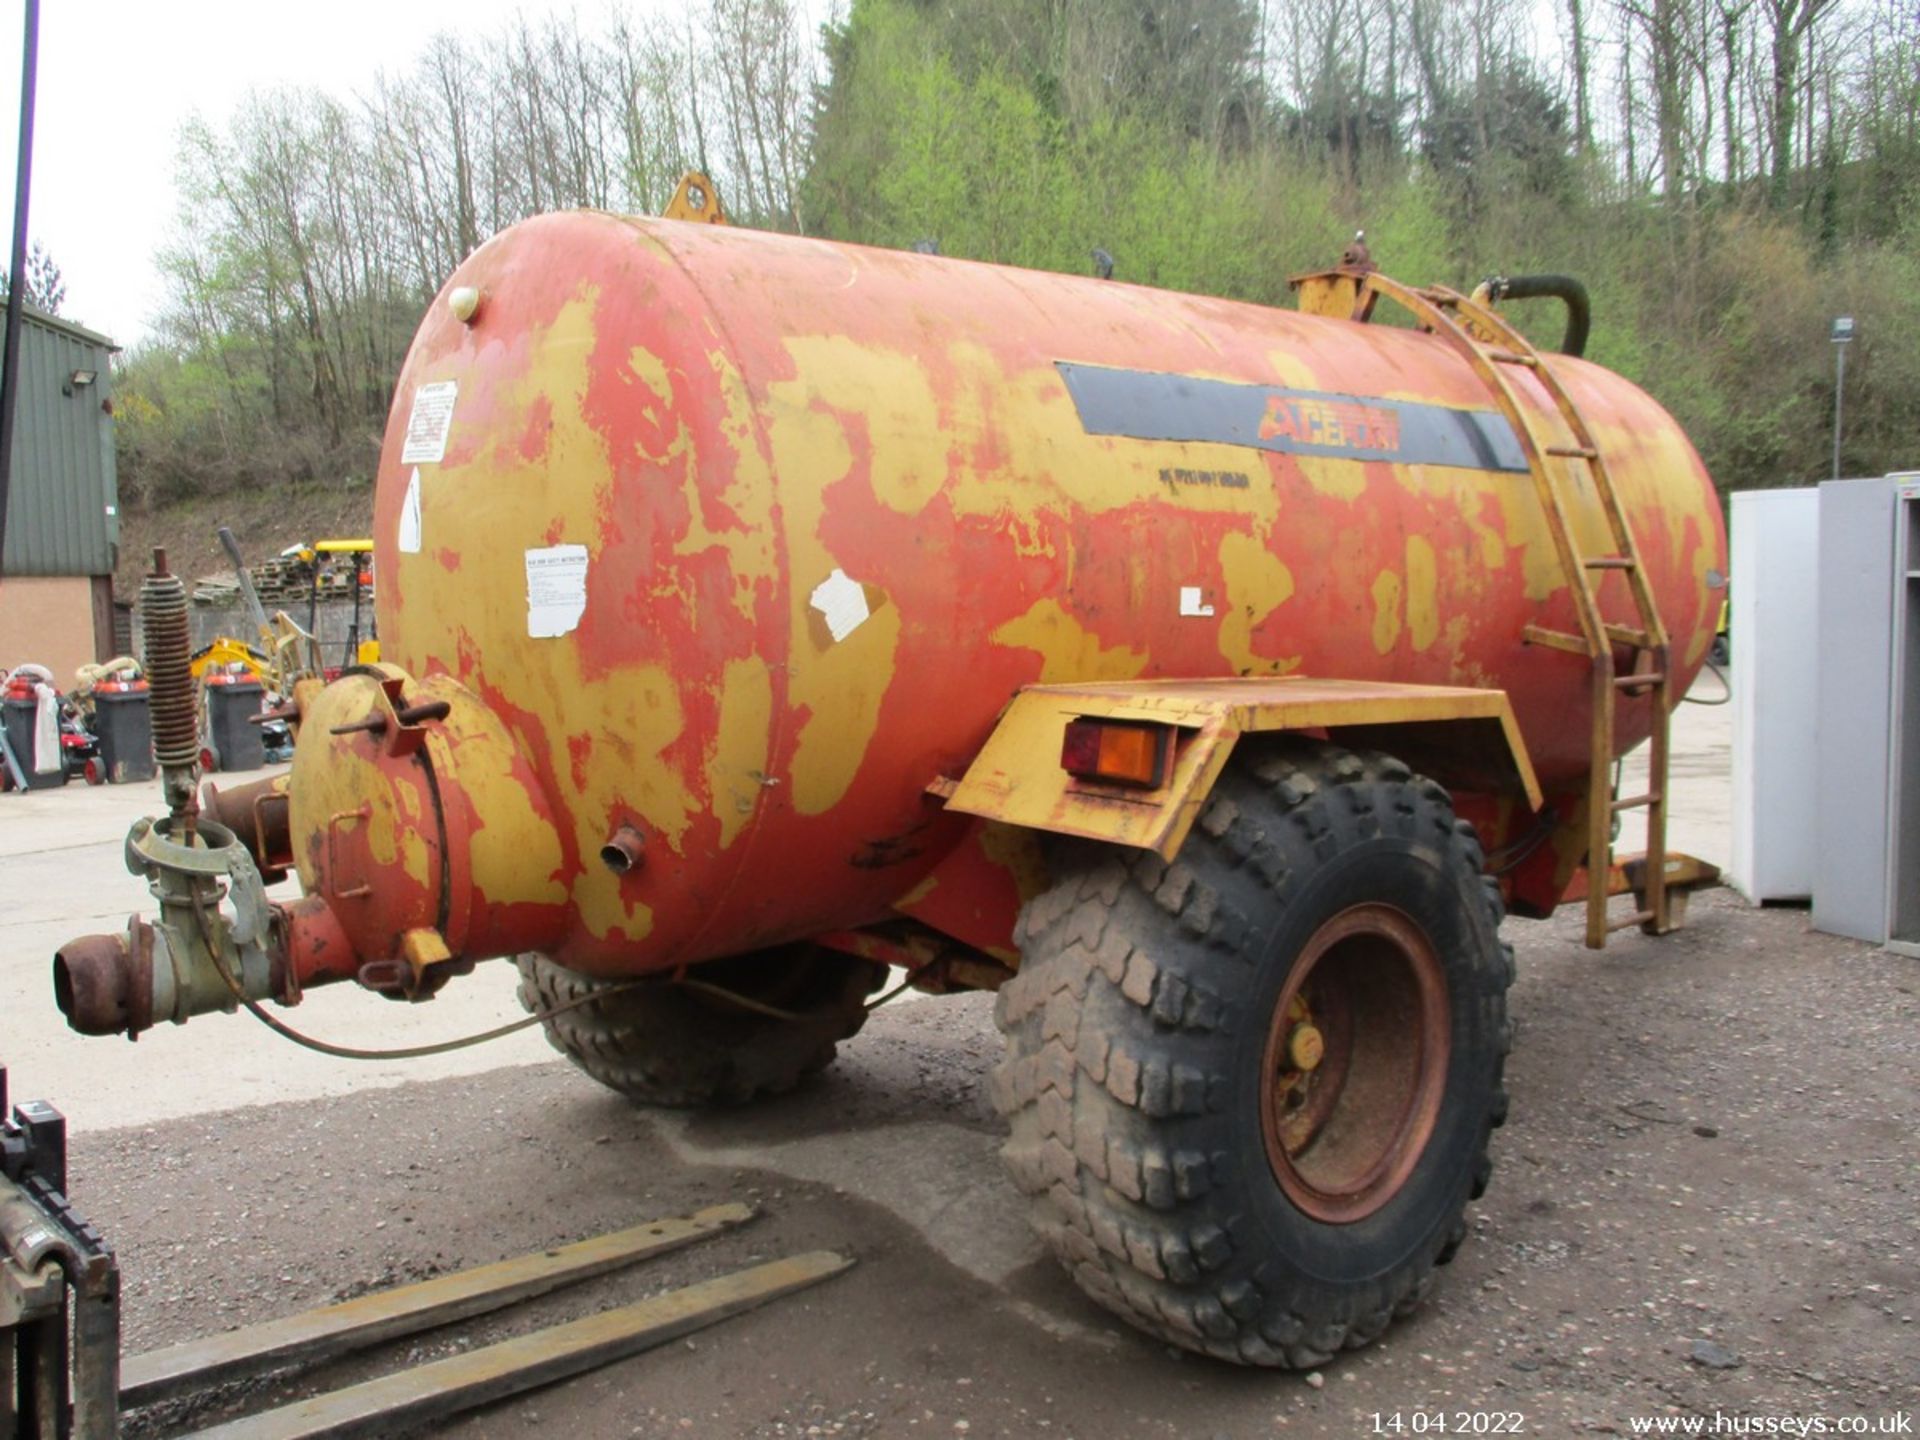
(1067, 650)
(737, 761)
(513, 854)
(415, 826)
(1462, 671)
(1493, 548)
(846, 686)
(1289, 370)
(1527, 531)
(1386, 611)
(840, 685)
(337, 777)
(644, 706)
(651, 371)
(889, 390)
(1258, 583)
(1342, 479)
(1423, 593)
(929, 883)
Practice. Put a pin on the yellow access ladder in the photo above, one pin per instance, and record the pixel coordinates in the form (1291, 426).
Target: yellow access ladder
(1495, 349)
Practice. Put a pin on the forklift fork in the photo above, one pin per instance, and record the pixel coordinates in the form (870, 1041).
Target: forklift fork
(59, 1291)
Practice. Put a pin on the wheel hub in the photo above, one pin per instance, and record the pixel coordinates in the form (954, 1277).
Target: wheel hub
(1355, 1063)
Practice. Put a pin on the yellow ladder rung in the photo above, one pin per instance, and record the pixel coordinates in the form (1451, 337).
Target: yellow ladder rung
(1573, 452)
(1634, 802)
(1609, 562)
(1508, 357)
(1639, 917)
(1555, 639)
(1627, 635)
(1634, 682)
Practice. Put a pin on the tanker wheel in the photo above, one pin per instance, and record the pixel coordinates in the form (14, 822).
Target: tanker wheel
(1251, 1091)
(667, 1044)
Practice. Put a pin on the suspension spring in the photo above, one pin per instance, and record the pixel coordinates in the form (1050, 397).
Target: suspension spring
(169, 659)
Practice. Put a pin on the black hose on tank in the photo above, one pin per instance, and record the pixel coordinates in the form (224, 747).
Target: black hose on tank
(1563, 288)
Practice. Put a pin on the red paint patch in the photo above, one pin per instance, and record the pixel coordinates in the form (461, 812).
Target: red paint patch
(538, 429)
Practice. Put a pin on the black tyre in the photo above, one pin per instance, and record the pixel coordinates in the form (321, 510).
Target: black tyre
(667, 1044)
(1251, 1092)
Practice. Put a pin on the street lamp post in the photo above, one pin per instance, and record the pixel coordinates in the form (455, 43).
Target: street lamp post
(1842, 334)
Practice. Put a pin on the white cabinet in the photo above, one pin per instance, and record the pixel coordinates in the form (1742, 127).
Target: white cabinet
(1858, 560)
(1775, 634)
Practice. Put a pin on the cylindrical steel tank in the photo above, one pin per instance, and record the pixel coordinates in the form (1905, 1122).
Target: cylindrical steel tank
(746, 539)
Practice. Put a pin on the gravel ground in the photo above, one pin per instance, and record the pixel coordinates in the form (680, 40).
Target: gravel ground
(1705, 1201)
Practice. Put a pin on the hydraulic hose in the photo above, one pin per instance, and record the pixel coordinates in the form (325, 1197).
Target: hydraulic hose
(1563, 288)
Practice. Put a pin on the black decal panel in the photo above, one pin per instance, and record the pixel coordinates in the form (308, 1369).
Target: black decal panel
(1148, 405)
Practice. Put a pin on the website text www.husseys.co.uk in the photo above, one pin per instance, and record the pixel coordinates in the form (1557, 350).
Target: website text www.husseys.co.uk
(1722, 1423)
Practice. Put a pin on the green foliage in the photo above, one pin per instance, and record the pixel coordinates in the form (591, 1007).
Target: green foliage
(1213, 146)
(927, 131)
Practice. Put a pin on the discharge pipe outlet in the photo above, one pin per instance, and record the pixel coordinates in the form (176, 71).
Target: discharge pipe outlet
(189, 960)
(421, 835)
(625, 850)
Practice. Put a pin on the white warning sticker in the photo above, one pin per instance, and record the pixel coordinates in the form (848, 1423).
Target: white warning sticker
(1193, 601)
(410, 516)
(843, 600)
(428, 424)
(556, 590)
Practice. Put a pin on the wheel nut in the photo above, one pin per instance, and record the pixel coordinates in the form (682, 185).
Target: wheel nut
(1305, 1047)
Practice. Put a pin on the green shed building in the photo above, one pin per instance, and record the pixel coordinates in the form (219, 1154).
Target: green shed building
(63, 506)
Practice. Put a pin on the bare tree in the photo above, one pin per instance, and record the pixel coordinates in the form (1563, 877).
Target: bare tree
(1789, 24)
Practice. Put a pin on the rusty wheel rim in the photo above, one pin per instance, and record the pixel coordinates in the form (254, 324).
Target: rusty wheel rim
(1343, 1134)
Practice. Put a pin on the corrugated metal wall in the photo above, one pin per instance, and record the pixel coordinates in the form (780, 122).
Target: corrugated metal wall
(63, 505)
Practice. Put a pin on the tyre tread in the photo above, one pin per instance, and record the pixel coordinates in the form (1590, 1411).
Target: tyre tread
(1093, 1087)
(652, 1046)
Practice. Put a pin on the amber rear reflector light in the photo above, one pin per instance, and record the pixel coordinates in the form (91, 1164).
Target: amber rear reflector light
(1118, 752)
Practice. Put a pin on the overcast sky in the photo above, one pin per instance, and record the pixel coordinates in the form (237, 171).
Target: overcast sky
(117, 78)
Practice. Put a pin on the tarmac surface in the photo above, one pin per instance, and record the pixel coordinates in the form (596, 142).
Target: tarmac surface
(1711, 1163)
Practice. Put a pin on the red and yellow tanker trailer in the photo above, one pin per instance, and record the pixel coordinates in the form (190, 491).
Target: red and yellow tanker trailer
(759, 612)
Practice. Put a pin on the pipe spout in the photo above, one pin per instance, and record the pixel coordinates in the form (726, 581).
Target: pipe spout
(102, 986)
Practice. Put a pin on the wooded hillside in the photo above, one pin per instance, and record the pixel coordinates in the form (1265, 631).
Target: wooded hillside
(1726, 175)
